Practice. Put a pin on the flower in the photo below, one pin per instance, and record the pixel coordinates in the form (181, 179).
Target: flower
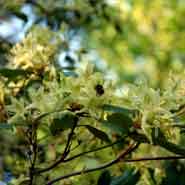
(35, 53)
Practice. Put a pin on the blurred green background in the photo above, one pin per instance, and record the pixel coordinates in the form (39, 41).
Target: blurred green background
(125, 39)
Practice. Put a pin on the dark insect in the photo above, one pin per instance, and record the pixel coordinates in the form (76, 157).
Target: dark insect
(75, 107)
(99, 90)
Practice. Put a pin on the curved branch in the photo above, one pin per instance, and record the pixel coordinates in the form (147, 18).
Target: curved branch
(64, 155)
(90, 151)
(119, 158)
(158, 158)
(62, 160)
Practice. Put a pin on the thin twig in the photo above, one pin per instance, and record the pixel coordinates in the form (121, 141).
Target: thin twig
(94, 150)
(158, 158)
(119, 158)
(55, 164)
(34, 148)
(64, 155)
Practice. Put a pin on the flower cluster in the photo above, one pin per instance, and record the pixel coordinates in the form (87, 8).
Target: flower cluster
(157, 108)
(36, 51)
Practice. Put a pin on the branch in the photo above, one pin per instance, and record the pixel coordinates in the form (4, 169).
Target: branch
(120, 157)
(154, 158)
(33, 158)
(64, 155)
(90, 151)
(76, 156)
(68, 145)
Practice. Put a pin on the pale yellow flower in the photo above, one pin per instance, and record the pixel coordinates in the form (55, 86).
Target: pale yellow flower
(35, 52)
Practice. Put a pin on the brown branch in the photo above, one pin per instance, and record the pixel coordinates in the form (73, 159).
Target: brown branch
(154, 158)
(119, 158)
(91, 151)
(55, 164)
(33, 150)
(64, 155)
(68, 145)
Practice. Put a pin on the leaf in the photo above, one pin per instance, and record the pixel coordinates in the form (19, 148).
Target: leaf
(159, 138)
(172, 174)
(6, 126)
(12, 73)
(105, 178)
(20, 15)
(65, 121)
(129, 177)
(118, 122)
(141, 138)
(98, 133)
(117, 109)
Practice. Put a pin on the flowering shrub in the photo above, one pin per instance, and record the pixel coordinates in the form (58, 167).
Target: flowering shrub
(83, 128)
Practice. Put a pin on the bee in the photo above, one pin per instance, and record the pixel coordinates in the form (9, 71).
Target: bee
(75, 107)
(99, 90)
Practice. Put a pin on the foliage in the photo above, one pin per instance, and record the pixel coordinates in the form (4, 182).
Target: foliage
(67, 127)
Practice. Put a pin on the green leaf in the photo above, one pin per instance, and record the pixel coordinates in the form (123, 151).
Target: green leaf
(12, 73)
(20, 15)
(65, 121)
(129, 177)
(105, 178)
(172, 174)
(141, 138)
(98, 133)
(118, 122)
(159, 138)
(117, 109)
